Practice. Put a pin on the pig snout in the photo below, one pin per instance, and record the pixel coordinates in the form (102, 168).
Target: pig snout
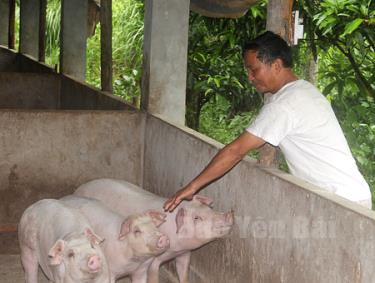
(163, 242)
(94, 263)
(224, 223)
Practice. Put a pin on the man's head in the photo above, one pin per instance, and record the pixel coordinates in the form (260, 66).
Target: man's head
(268, 60)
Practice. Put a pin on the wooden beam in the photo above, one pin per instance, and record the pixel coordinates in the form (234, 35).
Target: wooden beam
(8, 227)
(42, 30)
(279, 18)
(106, 45)
(4, 22)
(12, 19)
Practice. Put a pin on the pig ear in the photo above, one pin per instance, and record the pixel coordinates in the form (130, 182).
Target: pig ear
(203, 200)
(94, 239)
(181, 213)
(125, 228)
(55, 254)
(157, 217)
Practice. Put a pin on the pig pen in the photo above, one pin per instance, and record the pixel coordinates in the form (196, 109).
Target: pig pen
(286, 230)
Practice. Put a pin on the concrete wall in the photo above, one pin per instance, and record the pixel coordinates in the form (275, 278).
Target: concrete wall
(286, 230)
(11, 61)
(47, 154)
(21, 90)
(27, 84)
(29, 90)
(7, 60)
(77, 95)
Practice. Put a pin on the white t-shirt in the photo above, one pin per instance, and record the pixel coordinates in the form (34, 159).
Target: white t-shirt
(300, 120)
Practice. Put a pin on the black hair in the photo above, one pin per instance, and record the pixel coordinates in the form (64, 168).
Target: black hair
(269, 47)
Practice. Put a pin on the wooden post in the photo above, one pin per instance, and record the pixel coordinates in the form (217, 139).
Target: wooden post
(12, 19)
(42, 30)
(279, 21)
(4, 22)
(279, 18)
(106, 45)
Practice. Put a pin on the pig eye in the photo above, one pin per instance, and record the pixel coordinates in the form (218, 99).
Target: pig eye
(70, 254)
(197, 218)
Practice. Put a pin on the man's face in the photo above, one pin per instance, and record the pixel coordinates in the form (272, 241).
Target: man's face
(261, 76)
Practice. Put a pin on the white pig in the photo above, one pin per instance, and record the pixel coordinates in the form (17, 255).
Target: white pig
(189, 227)
(62, 242)
(129, 243)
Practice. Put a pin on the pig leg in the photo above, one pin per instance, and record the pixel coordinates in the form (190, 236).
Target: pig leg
(182, 267)
(153, 271)
(139, 278)
(140, 275)
(30, 265)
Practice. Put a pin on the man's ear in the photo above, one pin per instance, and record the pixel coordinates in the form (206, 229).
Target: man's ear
(278, 65)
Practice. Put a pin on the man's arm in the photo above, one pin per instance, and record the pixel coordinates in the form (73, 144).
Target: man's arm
(222, 162)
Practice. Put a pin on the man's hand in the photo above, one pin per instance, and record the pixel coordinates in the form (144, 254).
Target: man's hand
(184, 194)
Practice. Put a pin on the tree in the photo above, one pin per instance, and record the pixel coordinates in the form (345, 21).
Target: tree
(215, 65)
(342, 33)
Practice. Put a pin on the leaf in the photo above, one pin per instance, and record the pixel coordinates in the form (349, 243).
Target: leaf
(329, 22)
(352, 26)
(217, 82)
(329, 88)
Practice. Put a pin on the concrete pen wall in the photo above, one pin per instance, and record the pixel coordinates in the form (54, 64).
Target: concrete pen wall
(286, 230)
(47, 154)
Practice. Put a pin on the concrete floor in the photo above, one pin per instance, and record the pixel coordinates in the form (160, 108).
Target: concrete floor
(11, 272)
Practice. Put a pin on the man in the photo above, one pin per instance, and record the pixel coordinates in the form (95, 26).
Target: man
(298, 119)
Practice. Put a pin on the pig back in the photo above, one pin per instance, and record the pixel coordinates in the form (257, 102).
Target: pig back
(48, 220)
(104, 220)
(121, 196)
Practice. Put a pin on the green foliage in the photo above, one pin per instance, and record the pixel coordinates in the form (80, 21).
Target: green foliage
(215, 65)
(358, 123)
(344, 33)
(127, 48)
(355, 110)
(348, 27)
(127, 41)
(53, 18)
(93, 75)
(216, 123)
